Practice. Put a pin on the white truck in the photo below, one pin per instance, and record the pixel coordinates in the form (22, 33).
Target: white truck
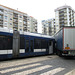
(65, 41)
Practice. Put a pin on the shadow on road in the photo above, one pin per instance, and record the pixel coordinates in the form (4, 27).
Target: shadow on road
(68, 58)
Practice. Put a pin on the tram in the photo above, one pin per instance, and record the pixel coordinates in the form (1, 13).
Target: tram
(15, 45)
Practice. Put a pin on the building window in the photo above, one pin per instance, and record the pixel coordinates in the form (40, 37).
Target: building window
(28, 23)
(10, 23)
(15, 15)
(20, 16)
(20, 20)
(5, 17)
(5, 11)
(5, 23)
(0, 17)
(28, 19)
(24, 22)
(20, 29)
(1, 10)
(15, 20)
(25, 17)
(20, 25)
(10, 14)
(10, 18)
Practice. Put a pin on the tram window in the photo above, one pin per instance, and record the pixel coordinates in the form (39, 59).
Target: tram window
(27, 46)
(10, 42)
(31, 45)
(37, 43)
(43, 44)
(5, 42)
(22, 43)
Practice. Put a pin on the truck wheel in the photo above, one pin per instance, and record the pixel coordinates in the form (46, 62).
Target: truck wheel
(60, 53)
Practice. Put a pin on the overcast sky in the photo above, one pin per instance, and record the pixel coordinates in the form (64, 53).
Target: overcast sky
(39, 9)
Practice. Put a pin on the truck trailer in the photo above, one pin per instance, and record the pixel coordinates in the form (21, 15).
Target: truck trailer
(65, 41)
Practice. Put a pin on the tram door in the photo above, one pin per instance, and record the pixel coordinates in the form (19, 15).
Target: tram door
(28, 45)
(50, 47)
(16, 43)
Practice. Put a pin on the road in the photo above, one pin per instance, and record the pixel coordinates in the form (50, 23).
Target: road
(43, 65)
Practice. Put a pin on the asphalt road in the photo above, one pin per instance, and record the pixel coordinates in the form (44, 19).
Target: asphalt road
(43, 65)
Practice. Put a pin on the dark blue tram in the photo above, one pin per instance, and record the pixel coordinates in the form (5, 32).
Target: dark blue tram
(15, 45)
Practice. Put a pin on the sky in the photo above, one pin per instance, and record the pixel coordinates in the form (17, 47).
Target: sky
(39, 9)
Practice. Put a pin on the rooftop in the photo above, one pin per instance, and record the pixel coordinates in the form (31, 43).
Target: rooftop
(62, 7)
(12, 9)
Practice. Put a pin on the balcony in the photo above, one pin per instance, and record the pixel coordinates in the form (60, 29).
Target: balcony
(15, 15)
(14, 28)
(1, 24)
(1, 12)
(25, 18)
(15, 25)
(15, 21)
(24, 22)
(24, 27)
(65, 11)
(1, 18)
(61, 18)
(65, 22)
(35, 30)
(61, 21)
(61, 15)
(61, 12)
(69, 11)
(65, 14)
(65, 18)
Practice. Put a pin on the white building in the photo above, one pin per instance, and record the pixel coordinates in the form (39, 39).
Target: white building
(31, 24)
(64, 16)
(48, 27)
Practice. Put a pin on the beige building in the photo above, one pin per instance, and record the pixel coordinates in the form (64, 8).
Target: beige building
(64, 16)
(16, 20)
(48, 27)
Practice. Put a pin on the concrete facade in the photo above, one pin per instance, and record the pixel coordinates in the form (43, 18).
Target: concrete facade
(64, 16)
(48, 27)
(16, 20)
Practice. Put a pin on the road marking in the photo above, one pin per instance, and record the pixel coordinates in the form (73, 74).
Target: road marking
(71, 72)
(54, 71)
(18, 68)
(32, 70)
(20, 62)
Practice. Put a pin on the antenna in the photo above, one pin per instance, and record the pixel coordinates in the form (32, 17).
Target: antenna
(17, 8)
(65, 3)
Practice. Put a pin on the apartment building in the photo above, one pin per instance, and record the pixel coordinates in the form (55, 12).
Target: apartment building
(45, 27)
(15, 20)
(52, 27)
(64, 16)
(48, 27)
(32, 24)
